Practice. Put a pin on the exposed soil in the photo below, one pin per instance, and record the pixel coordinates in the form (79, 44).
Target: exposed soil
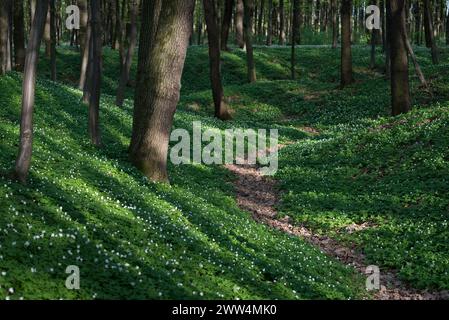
(259, 195)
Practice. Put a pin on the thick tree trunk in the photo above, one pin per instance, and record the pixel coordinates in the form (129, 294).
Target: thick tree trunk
(23, 160)
(346, 50)
(19, 36)
(226, 25)
(221, 111)
(96, 45)
(248, 26)
(400, 92)
(430, 38)
(126, 65)
(161, 61)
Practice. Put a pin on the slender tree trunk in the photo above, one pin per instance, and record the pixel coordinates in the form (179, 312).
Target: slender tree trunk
(221, 111)
(346, 51)
(430, 38)
(96, 44)
(281, 23)
(47, 36)
(227, 19)
(260, 20)
(84, 41)
(53, 39)
(270, 23)
(159, 82)
(400, 92)
(248, 26)
(295, 28)
(19, 36)
(4, 36)
(239, 13)
(334, 24)
(23, 160)
(126, 65)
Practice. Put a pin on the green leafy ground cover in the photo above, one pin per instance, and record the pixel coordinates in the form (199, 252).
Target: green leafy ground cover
(134, 239)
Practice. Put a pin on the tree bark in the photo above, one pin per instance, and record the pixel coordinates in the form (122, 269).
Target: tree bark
(221, 111)
(430, 38)
(126, 65)
(248, 27)
(23, 160)
(19, 36)
(53, 40)
(5, 31)
(334, 24)
(239, 13)
(226, 25)
(281, 23)
(96, 45)
(400, 92)
(84, 41)
(295, 28)
(270, 23)
(162, 53)
(346, 51)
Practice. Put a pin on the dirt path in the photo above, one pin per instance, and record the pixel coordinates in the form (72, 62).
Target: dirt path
(259, 195)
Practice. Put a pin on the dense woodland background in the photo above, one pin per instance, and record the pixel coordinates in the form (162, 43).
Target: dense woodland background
(85, 121)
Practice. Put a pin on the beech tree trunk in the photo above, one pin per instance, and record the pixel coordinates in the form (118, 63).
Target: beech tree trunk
(126, 65)
(248, 26)
(96, 45)
(270, 23)
(226, 25)
(23, 160)
(400, 92)
(19, 36)
(239, 13)
(346, 51)
(221, 111)
(168, 26)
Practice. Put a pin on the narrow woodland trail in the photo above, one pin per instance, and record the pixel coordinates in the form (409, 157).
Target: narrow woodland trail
(259, 195)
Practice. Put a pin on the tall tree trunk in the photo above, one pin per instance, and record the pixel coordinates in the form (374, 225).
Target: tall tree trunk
(23, 160)
(281, 23)
(400, 92)
(221, 111)
(226, 25)
(84, 41)
(47, 36)
(162, 53)
(346, 51)
(260, 20)
(430, 38)
(239, 13)
(126, 65)
(53, 39)
(19, 35)
(270, 23)
(4, 36)
(334, 24)
(96, 45)
(295, 28)
(248, 26)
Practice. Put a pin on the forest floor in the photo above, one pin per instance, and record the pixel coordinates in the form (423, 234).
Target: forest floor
(349, 173)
